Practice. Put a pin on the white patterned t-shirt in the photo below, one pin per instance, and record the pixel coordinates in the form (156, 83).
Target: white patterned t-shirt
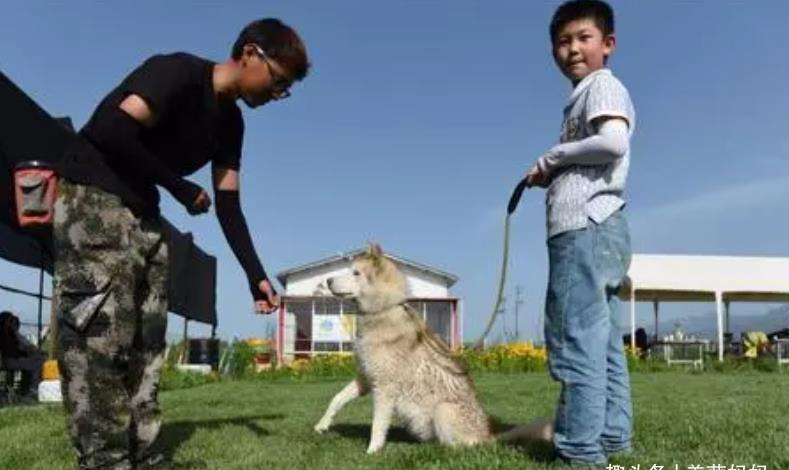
(578, 193)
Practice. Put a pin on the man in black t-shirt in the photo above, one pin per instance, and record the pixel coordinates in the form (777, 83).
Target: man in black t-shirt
(167, 119)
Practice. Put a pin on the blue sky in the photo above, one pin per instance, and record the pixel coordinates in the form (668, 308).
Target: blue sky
(419, 117)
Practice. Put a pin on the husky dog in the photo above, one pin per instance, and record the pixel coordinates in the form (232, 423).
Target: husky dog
(411, 373)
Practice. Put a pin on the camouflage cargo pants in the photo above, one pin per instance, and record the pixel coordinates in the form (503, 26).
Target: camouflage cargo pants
(111, 300)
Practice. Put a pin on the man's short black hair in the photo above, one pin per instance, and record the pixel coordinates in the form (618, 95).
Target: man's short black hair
(5, 320)
(573, 10)
(279, 41)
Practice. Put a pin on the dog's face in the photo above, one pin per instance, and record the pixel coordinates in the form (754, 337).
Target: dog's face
(375, 282)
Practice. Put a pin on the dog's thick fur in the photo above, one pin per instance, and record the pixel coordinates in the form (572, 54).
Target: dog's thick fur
(411, 373)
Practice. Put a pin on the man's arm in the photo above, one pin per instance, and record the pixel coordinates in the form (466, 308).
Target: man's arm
(234, 226)
(118, 133)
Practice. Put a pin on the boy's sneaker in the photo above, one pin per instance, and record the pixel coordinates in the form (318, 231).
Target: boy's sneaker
(570, 463)
(619, 452)
(151, 461)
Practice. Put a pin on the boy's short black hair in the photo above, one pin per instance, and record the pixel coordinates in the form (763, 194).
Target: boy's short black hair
(597, 10)
(279, 41)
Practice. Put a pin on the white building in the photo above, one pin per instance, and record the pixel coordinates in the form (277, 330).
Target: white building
(311, 321)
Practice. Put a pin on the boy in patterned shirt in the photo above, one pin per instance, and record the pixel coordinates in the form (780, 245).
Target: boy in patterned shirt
(588, 239)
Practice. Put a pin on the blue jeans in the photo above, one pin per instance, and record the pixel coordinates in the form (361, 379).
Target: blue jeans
(583, 335)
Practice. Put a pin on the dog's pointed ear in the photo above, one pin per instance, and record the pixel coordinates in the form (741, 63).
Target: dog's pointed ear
(375, 250)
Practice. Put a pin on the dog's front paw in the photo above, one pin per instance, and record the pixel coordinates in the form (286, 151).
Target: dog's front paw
(374, 449)
(321, 427)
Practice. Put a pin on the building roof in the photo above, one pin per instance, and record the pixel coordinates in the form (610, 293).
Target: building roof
(283, 275)
(697, 278)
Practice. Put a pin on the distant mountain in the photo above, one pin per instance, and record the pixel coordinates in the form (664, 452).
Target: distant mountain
(705, 325)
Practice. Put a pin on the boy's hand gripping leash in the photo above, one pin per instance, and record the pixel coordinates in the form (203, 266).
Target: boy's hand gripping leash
(511, 206)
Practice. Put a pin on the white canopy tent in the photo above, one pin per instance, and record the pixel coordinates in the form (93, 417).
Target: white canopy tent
(722, 279)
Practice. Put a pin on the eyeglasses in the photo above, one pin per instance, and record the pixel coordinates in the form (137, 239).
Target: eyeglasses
(280, 84)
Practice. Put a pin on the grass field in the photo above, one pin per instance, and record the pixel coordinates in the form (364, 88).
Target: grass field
(699, 420)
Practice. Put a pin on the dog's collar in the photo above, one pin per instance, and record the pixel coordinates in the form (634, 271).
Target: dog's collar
(403, 304)
(408, 307)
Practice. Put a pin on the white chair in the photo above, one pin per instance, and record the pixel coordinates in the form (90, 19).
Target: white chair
(782, 350)
(685, 353)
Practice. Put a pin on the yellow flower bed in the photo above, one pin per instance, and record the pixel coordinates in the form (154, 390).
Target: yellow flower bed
(523, 356)
(259, 342)
(526, 349)
(336, 364)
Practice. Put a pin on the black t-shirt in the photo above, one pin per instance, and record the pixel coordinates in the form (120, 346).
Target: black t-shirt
(192, 125)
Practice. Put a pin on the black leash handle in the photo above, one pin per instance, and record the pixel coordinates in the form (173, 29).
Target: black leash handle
(516, 196)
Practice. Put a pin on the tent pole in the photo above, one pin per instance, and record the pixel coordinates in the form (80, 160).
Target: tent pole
(719, 305)
(185, 358)
(53, 330)
(656, 305)
(633, 318)
(40, 298)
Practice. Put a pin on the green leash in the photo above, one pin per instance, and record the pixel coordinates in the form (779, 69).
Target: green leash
(511, 206)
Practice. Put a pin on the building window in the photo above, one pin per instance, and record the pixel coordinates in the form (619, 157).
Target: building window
(326, 347)
(437, 314)
(302, 312)
(327, 306)
(329, 325)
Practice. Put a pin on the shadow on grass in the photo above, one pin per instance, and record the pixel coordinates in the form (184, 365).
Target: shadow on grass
(362, 432)
(174, 434)
(537, 451)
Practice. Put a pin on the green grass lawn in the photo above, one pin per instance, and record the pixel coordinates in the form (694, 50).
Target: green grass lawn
(686, 419)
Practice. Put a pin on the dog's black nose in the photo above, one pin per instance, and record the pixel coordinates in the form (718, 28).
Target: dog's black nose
(329, 282)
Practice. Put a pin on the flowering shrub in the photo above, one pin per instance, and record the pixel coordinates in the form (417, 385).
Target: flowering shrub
(325, 365)
(513, 357)
(174, 379)
(241, 357)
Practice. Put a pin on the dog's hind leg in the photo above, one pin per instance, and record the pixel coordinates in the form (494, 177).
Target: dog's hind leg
(445, 422)
(351, 391)
(418, 420)
(422, 427)
(455, 427)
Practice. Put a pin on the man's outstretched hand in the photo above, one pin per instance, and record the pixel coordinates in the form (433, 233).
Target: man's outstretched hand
(201, 204)
(270, 303)
(191, 196)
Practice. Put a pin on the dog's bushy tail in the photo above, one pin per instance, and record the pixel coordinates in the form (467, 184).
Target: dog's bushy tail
(539, 430)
